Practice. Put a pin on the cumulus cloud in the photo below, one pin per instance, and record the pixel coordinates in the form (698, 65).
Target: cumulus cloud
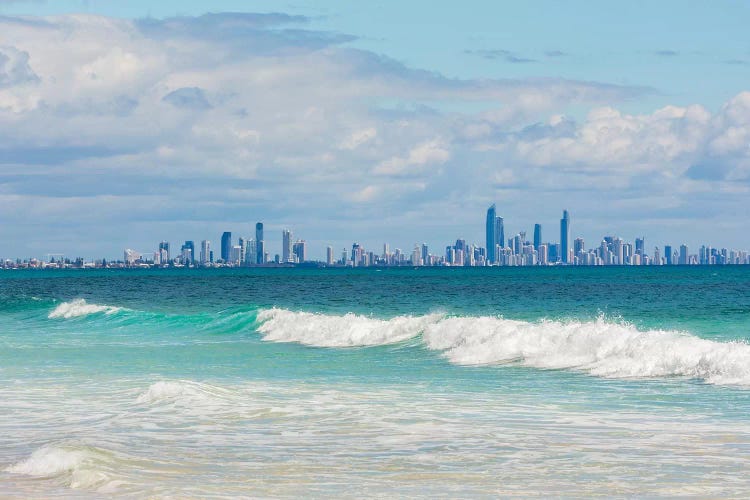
(197, 125)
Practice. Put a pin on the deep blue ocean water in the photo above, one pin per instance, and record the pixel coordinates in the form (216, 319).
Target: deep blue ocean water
(375, 382)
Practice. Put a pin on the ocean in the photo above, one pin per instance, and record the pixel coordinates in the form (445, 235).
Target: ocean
(399, 382)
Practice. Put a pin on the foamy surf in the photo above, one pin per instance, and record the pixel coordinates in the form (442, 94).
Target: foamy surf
(600, 348)
(79, 307)
(76, 466)
(350, 330)
(181, 390)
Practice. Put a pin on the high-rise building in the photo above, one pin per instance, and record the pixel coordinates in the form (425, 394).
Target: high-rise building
(260, 244)
(251, 253)
(286, 246)
(164, 251)
(640, 248)
(668, 255)
(499, 232)
(683, 255)
(243, 250)
(187, 252)
(537, 236)
(329, 255)
(205, 252)
(578, 246)
(565, 237)
(491, 234)
(235, 254)
(425, 255)
(300, 251)
(226, 246)
(543, 257)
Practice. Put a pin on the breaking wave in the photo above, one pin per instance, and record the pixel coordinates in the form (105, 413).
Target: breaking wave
(349, 330)
(74, 466)
(600, 348)
(79, 307)
(183, 390)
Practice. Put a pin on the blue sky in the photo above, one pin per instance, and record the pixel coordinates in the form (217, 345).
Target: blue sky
(371, 121)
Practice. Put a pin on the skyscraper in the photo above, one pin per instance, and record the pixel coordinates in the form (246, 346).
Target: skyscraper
(578, 246)
(499, 234)
(640, 246)
(425, 255)
(668, 254)
(565, 236)
(491, 230)
(537, 236)
(164, 251)
(329, 255)
(683, 255)
(286, 246)
(226, 246)
(205, 251)
(187, 252)
(243, 249)
(260, 244)
(300, 251)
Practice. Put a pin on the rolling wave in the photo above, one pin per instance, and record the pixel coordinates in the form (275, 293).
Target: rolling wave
(350, 330)
(79, 307)
(599, 348)
(76, 466)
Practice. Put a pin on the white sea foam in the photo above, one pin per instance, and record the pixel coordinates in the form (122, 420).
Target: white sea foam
(79, 466)
(171, 390)
(350, 330)
(79, 307)
(598, 347)
(601, 348)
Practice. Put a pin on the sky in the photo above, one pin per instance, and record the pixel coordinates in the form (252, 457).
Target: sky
(126, 123)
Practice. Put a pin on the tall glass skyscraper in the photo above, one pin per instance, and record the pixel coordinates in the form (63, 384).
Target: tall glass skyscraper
(164, 247)
(491, 234)
(226, 246)
(565, 236)
(260, 244)
(537, 236)
(500, 235)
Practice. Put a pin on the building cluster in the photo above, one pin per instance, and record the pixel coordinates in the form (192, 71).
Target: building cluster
(516, 250)
(246, 251)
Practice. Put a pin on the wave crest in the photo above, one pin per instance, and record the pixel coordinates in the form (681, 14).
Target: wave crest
(350, 330)
(79, 307)
(76, 466)
(186, 390)
(600, 348)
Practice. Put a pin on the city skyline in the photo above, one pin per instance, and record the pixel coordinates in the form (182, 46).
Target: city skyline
(516, 250)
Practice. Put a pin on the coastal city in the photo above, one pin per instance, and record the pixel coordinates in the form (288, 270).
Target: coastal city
(516, 250)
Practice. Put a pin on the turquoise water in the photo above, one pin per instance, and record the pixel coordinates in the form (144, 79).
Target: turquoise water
(366, 382)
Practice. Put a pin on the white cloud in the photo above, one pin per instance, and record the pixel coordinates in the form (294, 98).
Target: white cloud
(427, 154)
(359, 137)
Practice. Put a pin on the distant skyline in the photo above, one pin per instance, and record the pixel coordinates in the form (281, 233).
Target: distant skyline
(129, 123)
